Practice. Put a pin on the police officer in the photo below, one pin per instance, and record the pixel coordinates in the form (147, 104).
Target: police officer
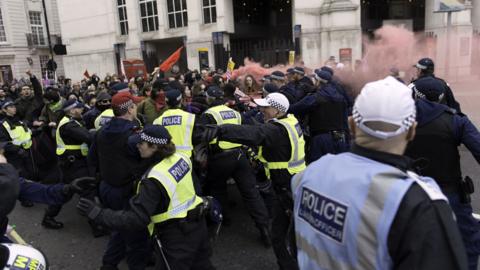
(326, 117)
(439, 133)
(229, 160)
(166, 202)
(278, 79)
(15, 131)
(302, 84)
(114, 155)
(179, 123)
(386, 216)
(425, 71)
(282, 154)
(340, 88)
(72, 148)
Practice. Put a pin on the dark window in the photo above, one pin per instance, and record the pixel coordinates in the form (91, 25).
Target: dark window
(177, 13)
(149, 15)
(209, 11)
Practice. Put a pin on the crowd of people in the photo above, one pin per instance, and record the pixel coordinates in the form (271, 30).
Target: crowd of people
(331, 179)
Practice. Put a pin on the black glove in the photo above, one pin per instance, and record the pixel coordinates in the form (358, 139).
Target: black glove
(88, 208)
(83, 185)
(210, 133)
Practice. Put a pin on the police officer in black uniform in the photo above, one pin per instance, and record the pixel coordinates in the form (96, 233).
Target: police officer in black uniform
(114, 155)
(230, 160)
(166, 202)
(15, 131)
(281, 140)
(302, 84)
(326, 116)
(425, 71)
(72, 148)
(440, 131)
(278, 79)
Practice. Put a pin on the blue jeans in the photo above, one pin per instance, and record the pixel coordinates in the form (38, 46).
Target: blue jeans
(469, 229)
(132, 245)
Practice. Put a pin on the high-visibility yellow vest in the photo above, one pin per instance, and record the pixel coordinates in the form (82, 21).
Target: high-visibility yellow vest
(103, 118)
(224, 115)
(174, 173)
(179, 124)
(61, 146)
(20, 135)
(296, 163)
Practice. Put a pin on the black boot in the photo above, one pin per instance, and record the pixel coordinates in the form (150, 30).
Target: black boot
(98, 230)
(265, 236)
(26, 203)
(50, 223)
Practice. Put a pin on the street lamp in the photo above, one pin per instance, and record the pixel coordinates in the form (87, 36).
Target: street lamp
(51, 65)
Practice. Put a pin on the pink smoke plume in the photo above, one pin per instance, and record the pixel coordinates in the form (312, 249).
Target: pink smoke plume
(392, 47)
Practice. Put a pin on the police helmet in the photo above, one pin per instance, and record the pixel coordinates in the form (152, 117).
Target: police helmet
(14, 256)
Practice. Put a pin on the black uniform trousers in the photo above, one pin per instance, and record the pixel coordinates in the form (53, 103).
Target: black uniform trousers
(283, 230)
(234, 163)
(71, 169)
(185, 246)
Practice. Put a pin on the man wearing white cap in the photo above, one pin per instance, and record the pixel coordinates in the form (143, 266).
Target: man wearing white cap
(366, 209)
(282, 153)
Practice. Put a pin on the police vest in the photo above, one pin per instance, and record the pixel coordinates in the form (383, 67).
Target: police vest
(20, 135)
(296, 163)
(224, 115)
(103, 118)
(61, 146)
(329, 115)
(179, 124)
(344, 206)
(174, 173)
(435, 141)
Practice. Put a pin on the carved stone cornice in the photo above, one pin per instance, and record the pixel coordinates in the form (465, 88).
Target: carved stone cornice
(330, 6)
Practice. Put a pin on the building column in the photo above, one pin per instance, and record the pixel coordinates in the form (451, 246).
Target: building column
(327, 28)
(476, 16)
(459, 46)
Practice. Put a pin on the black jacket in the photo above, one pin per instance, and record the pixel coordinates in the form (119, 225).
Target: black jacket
(274, 139)
(74, 134)
(423, 234)
(29, 109)
(151, 199)
(114, 153)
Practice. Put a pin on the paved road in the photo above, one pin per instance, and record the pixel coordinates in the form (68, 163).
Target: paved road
(238, 247)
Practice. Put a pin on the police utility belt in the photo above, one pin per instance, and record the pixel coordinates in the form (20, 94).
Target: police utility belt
(337, 135)
(464, 188)
(194, 215)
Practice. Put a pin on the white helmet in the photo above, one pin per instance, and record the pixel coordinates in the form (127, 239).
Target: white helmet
(14, 256)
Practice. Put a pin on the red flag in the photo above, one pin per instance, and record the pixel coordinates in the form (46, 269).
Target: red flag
(171, 60)
(86, 74)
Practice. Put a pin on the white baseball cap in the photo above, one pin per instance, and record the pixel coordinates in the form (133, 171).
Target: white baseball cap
(276, 100)
(388, 101)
